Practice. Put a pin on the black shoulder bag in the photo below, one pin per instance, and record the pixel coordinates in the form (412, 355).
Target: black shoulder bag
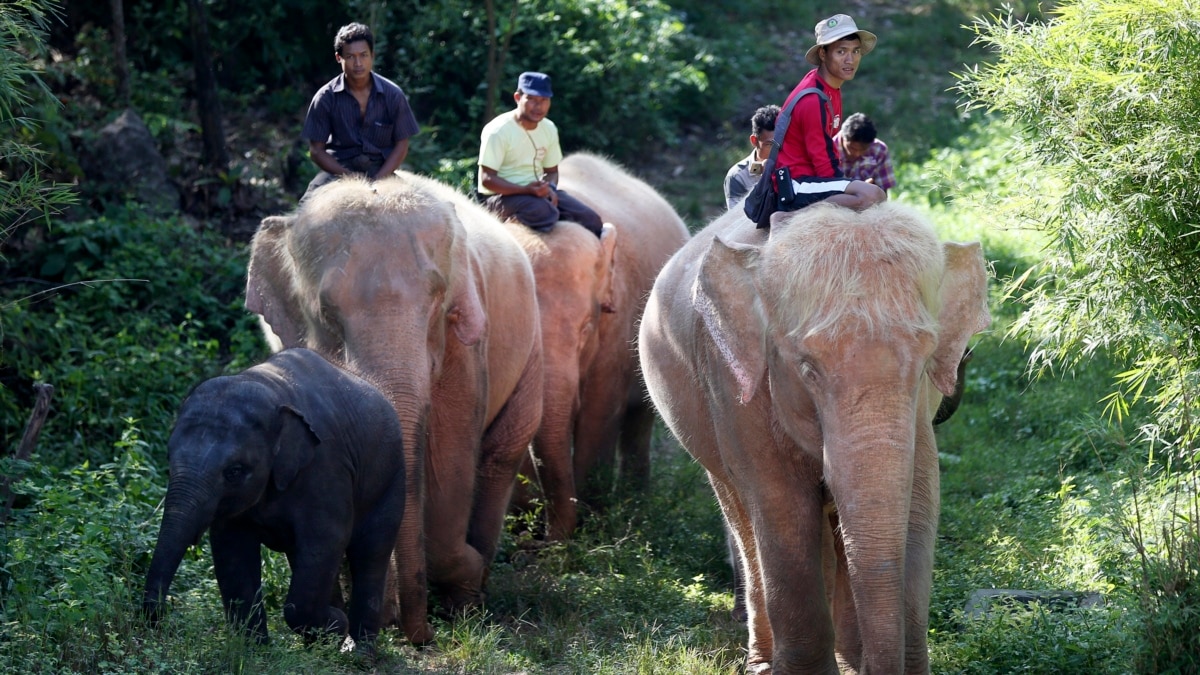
(765, 197)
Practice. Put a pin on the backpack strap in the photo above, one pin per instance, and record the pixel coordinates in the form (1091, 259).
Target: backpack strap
(784, 119)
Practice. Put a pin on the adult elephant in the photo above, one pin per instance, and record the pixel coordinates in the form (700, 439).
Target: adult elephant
(611, 407)
(802, 366)
(407, 281)
(574, 273)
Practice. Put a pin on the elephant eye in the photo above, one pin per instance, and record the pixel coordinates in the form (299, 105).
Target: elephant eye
(235, 474)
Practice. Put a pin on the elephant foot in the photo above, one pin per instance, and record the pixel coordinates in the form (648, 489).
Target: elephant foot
(335, 625)
(458, 599)
(419, 636)
(758, 669)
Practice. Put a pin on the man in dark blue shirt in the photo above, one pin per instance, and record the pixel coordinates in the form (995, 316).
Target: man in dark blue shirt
(359, 122)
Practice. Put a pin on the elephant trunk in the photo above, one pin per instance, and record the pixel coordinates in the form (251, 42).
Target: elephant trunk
(869, 471)
(410, 393)
(186, 515)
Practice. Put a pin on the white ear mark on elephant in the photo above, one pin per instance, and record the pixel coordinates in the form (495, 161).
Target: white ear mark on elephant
(964, 310)
(294, 448)
(269, 284)
(606, 268)
(726, 297)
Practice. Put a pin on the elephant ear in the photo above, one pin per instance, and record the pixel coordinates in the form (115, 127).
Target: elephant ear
(726, 297)
(269, 285)
(466, 313)
(294, 448)
(964, 310)
(606, 268)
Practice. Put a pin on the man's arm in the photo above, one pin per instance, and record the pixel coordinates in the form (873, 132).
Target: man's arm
(394, 160)
(735, 188)
(324, 160)
(885, 177)
(497, 185)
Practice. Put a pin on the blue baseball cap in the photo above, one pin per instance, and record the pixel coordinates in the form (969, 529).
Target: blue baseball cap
(534, 84)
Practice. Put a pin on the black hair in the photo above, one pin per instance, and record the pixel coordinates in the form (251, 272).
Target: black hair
(353, 32)
(858, 128)
(764, 119)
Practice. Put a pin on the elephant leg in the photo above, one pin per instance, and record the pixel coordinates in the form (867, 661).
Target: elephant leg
(738, 613)
(455, 567)
(635, 447)
(597, 432)
(555, 472)
(788, 517)
(369, 557)
(237, 564)
(315, 566)
(739, 527)
(505, 445)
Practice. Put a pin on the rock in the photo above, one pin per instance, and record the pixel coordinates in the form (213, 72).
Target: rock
(982, 601)
(125, 160)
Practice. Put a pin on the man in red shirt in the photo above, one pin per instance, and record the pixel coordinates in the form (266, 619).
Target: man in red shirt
(807, 149)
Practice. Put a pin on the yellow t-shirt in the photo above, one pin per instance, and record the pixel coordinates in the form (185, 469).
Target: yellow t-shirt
(518, 155)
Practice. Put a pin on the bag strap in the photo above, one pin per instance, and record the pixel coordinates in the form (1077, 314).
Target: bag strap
(784, 119)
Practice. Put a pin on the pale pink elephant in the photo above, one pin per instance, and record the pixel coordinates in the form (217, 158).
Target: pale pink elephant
(574, 273)
(413, 285)
(612, 409)
(802, 366)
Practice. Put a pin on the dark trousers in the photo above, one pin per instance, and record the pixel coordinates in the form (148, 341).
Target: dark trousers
(539, 214)
(367, 165)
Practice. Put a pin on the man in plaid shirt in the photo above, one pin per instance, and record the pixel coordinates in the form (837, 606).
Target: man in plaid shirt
(863, 156)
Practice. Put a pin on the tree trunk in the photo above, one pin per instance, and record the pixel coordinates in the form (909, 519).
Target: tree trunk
(121, 64)
(41, 408)
(215, 154)
(497, 55)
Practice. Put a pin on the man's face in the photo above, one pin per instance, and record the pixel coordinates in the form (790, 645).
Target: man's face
(762, 144)
(530, 108)
(854, 150)
(840, 60)
(356, 60)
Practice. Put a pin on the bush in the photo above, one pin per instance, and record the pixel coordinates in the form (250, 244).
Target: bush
(138, 311)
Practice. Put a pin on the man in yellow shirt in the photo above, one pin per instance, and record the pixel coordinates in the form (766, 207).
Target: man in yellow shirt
(519, 154)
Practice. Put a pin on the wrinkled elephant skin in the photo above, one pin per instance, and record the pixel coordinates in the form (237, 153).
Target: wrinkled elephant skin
(415, 285)
(299, 456)
(801, 366)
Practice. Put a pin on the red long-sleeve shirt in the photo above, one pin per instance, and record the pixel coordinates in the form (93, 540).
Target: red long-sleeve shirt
(807, 148)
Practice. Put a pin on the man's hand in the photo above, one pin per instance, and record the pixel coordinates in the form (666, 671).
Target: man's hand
(541, 188)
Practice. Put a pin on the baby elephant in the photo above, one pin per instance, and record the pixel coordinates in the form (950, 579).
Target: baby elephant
(302, 457)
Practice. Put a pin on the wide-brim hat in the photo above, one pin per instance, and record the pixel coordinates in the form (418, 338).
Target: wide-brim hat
(838, 27)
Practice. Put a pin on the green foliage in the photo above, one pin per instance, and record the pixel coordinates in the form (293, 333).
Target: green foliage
(625, 74)
(24, 194)
(1108, 97)
(139, 311)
